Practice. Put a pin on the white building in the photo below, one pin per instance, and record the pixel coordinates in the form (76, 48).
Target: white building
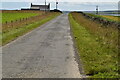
(40, 7)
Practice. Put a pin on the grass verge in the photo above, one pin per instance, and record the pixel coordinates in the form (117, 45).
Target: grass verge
(99, 57)
(16, 32)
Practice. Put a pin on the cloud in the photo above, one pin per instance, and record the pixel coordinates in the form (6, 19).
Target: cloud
(60, 0)
(65, 6)
(86, 6)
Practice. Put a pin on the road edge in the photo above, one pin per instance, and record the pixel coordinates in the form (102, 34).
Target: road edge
(77, 57)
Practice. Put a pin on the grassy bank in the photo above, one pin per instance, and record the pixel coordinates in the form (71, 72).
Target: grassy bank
(16, 32)
(97, 46)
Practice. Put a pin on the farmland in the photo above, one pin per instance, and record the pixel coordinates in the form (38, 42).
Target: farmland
(21, 22)
(107, 17)
(97, 46)
(114, 18)
(8, 17)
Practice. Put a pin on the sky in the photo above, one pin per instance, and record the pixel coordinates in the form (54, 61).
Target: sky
(61, 0)
(64, 5)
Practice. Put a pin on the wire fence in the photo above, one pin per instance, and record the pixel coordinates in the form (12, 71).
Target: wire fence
(22, 21)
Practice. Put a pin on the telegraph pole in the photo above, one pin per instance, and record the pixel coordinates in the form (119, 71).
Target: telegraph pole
(45, 6)
(56, 4)
(96, 9)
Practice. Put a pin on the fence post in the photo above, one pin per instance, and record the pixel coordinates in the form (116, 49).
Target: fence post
(12, 23)
(26, 21)
(6, 22)
(20, 19)
(16, 23)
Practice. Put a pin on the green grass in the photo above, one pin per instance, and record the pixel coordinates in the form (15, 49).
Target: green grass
(114, 18)
(16, 16)
(106, 17)
(14, 33)
(99, 61)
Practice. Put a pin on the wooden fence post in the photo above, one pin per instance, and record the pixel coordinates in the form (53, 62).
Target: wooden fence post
(26, 21)
(6, 22)
(20, 19)
(12, 23)
(16, 23)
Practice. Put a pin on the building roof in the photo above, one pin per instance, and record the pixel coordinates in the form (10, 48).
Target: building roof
(41, 6)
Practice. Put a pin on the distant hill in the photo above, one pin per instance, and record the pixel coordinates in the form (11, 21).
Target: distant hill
(100, 12)
(113, 11)
(55, 10)
(105, 12)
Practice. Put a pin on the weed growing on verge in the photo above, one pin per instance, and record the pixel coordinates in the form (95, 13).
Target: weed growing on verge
(97, 46)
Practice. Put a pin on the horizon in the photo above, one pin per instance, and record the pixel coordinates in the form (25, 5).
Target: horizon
(64, 6)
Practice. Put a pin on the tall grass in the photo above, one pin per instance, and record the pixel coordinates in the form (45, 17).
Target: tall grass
(97, 46)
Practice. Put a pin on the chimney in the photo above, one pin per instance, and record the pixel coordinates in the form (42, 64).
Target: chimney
(49, 6)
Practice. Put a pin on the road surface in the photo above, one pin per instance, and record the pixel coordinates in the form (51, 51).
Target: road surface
(46, 52)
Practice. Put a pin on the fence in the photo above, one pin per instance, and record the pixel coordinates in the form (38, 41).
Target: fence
(102, 21)
(22, 21)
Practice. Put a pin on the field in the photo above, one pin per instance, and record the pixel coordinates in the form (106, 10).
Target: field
(97, 46)
(16, 16)
(107, 17)
(114, 18)
(22, 22)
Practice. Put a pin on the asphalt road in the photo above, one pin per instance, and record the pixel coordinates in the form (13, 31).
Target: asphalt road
(46, 52)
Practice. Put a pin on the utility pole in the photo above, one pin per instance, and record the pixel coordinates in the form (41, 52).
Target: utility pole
(56, 4)
(96, 9)
(45, 6)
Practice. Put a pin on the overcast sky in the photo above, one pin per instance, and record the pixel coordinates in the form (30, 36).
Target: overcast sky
(64, 5)
(61, 0)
